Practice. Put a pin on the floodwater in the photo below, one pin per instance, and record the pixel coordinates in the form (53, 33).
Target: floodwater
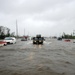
(52, 58)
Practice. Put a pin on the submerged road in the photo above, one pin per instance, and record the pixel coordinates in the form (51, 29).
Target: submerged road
(52, 58)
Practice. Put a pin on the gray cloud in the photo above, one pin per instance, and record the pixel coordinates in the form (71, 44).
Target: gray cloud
(29, 6)
(48, 17)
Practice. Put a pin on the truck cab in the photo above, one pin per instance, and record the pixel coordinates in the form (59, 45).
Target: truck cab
(38, 39)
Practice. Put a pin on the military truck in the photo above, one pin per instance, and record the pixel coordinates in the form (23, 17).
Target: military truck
(38, 39)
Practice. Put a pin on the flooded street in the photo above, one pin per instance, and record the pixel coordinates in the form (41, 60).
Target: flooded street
(52, 58)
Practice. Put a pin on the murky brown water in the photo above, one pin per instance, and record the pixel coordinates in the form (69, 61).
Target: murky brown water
(24, 58)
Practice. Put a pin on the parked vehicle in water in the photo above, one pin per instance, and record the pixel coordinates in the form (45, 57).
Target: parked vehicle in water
(59, 38)
(10, 40)
(2, 42)
(67, 40)
(23, 39)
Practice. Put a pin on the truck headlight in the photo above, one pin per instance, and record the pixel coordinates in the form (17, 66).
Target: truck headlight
(34, 41)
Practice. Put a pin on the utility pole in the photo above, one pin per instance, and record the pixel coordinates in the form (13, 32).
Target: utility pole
(24, 31)
(16, 29)
(28, 33)
(73, 32)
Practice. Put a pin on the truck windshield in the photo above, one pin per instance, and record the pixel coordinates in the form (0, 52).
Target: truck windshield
(40, 38)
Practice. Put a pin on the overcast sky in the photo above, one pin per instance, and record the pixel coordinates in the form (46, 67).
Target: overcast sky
(46, 17)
